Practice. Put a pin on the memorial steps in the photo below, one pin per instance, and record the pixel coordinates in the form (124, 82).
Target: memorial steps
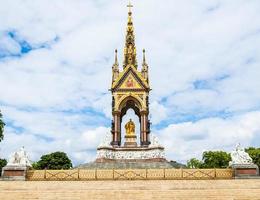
(124, 190)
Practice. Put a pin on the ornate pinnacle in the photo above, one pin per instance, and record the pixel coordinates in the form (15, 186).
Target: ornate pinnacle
(115, 68)
(130, 49)
(145, 67)
(144, 56)
(116, 62)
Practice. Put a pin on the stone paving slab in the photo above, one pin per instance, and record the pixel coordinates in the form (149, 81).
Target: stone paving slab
(124, 190)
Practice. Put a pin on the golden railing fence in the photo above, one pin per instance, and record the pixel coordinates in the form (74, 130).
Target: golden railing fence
(127, 174)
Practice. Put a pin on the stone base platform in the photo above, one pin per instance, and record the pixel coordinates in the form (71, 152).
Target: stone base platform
(245, 170)
(14, 173)
(129, 158)
(130, 141)
(126, 165)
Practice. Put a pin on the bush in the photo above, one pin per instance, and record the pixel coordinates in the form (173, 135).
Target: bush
(216, 159)
(194, 163)
(56, 160)
(211, 159)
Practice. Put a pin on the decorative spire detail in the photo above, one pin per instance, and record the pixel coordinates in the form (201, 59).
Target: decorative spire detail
(145, 68)
(115, 68)
(144, 56)
(116, 62)
(130, 49)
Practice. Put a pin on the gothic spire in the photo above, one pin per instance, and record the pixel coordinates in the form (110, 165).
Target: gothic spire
(130, 49)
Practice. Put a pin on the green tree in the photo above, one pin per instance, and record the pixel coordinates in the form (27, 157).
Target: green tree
(2, 124)
(194, 163)
(254, 153)
(3, 163)
(215, 159)
(56, 160)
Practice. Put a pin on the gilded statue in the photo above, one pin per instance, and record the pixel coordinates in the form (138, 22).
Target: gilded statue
(130, 128)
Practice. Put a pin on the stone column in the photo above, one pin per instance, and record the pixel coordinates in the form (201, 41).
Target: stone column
(116, 136)
(141, 130)
(144, 129)
(119, 129)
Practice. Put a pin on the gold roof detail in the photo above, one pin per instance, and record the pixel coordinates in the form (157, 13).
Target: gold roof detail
(131, 73)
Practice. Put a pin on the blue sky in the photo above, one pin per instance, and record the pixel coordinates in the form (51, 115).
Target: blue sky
(55, 72)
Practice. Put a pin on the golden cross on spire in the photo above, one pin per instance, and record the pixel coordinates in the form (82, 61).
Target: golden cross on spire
(129, 6)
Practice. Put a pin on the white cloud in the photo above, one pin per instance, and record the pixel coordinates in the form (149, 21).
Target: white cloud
(7, 45)
(189, 139)
(158, 112)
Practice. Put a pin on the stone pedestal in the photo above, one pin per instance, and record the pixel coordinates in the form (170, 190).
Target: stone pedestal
(14, 173)
(130, 141)
(245, 170)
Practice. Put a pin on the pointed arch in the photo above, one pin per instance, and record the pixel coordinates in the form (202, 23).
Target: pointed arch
(130, 102)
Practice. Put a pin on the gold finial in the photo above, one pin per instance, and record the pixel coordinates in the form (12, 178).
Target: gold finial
(129, 6)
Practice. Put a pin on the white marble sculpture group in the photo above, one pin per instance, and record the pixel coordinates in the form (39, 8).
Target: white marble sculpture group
(19, 159)
(125, 155)
(240, 157)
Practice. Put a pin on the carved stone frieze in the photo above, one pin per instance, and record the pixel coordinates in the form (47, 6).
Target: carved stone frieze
(124, 154)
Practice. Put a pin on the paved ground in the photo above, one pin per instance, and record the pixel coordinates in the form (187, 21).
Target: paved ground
(124, 190)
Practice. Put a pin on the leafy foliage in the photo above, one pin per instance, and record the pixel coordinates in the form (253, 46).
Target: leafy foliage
(211, 159)
(216, 159)
(2, 124)
(194, 163)
(3, 163)
(254, 153)
(56, 160)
